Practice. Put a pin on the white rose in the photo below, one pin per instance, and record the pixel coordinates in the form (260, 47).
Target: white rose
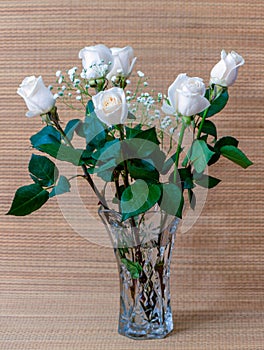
(124, 62)
(37, 96)
(224, 73)
(186, 96)
(96, 61)
(110, 106)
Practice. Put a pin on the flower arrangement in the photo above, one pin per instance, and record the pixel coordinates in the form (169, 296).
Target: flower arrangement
(135, 142)
(124, 133)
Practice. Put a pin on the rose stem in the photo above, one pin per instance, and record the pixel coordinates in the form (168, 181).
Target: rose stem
(132, 220)
(202, 123)
(183, 127)
(212, 96)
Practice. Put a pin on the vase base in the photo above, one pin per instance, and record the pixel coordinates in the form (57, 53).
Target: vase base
(149, 332)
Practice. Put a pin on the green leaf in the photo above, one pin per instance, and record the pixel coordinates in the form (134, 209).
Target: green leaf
(47, 135)
(206, 181)
(199, 155)
(94, 130)
(209, 128)
(171, 200)
(134, 268)
(132, 132)
(142, 169)
(63, 152)
(106, 170)
(62, 186)
(87, 157)
(225, 141)
(149, 134)
(168, 164)
(138, 148)
(44, 171)
(138, 198)
(131, 116)
(48, 140)
(89, 107)
(157, 158)
(236, 156)
(218, 104)
(71, 126)
(185, 178)
(110, 150)
(111, 164)
(192, 198)
(28, 199)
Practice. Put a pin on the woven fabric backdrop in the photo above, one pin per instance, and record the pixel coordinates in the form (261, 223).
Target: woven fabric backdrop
(58, 289)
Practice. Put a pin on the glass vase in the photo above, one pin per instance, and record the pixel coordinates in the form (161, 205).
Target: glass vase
(143, 249)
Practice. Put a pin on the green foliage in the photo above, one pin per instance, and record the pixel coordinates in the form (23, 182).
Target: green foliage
(28, 199)
(131, 157)
(48, 140)
(72, 125)
(185, 178)
(42, 170)
(235, 155)
(217, 104)
(206, 181)
(228, 147)
(134, 268)
(142, 169)
(110, 150)
(192, 198)
(209, 128)
(138, 198)
(89, 107)
(63, 152)
(225, 141)
(62, 186)
(47, 135)
(171, 200)
(199, 155)
(94, 131)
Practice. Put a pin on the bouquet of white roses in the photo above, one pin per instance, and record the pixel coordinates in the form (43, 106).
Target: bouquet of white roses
(124, 134)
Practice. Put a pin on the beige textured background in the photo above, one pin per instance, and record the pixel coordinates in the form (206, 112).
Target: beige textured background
(57, 290)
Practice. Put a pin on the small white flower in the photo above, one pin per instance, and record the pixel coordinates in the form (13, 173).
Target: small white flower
(140, 74)
(58, 73)
(83, 74)
(72, 72)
